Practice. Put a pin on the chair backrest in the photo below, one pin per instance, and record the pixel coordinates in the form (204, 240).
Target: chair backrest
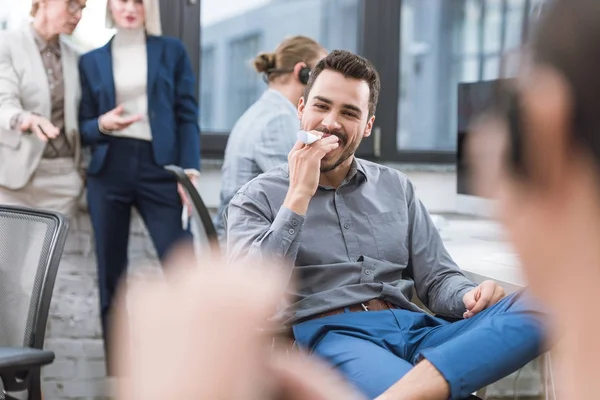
(31, 246)
(200, 211)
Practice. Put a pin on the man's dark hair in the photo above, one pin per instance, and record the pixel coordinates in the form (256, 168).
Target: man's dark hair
(351, 66)
(568, 40)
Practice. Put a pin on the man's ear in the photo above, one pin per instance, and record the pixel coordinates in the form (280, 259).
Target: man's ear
(369, 127)
(301, 106)
(547, 115)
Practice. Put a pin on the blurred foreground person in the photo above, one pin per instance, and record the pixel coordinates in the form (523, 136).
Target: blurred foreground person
(539, 156)
(192, 340)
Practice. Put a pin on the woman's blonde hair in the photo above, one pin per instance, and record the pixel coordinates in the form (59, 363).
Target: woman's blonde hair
(152, 21)
(290, 52)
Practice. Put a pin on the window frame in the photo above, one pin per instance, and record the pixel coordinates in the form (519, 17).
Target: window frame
(379, 41)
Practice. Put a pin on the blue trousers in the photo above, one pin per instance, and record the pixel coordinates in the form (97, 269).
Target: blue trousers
(130, 178)
(374, 349)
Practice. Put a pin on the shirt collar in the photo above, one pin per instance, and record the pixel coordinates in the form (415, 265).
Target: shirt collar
(43, 46)
(356, 170)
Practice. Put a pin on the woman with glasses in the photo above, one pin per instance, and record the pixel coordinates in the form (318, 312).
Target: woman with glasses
(39, 97)
(138, 114)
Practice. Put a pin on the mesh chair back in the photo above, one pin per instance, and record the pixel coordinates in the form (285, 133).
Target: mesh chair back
(31, 245)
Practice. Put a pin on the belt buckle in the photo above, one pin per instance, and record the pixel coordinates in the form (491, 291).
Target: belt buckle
(364, 306)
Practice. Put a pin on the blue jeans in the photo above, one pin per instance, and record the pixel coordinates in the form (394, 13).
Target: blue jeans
(374, 349)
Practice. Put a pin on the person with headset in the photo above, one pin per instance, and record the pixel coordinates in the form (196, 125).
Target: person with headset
(264, 135)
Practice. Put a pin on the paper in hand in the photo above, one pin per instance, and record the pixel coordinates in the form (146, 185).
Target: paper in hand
(307, 137)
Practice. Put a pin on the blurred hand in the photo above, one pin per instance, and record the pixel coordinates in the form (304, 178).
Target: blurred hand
(114, 121)
(483, 296)
(305, 169)
(33, 122)
(194, 335)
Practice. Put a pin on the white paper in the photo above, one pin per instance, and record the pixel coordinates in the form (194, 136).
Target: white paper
(307, 137)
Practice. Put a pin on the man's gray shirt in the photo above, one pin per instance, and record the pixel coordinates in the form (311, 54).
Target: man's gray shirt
(371, 238)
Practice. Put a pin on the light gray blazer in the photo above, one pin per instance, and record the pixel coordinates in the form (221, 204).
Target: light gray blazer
(24, 87)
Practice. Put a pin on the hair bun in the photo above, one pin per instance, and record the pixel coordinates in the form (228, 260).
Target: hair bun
(264, 62)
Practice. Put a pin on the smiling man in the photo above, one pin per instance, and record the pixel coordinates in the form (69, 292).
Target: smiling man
(357, 241)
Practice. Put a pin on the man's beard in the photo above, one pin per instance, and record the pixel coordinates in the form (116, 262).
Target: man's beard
(346, 154)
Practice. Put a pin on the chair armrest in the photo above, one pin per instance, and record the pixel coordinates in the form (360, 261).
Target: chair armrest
(18, 359)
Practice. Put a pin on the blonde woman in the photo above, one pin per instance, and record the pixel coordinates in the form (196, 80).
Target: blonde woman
(138, 113)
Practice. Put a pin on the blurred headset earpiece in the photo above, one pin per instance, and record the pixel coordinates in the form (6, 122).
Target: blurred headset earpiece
(303, 74)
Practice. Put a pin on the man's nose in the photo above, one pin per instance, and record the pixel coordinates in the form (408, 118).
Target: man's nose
(331, 121)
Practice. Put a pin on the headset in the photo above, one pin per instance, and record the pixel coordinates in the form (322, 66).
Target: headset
(303, 74)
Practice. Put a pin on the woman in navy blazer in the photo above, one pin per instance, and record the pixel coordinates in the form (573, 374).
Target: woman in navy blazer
(138, 113)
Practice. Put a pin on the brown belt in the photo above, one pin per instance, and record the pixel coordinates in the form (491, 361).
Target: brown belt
(371, 305)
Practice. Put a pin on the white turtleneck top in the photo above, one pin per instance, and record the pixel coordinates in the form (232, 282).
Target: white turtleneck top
(130, 71)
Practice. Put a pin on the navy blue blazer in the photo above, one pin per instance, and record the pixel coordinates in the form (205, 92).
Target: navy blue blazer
(172, 104)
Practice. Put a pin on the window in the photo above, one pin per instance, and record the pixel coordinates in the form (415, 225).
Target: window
(233, 32)
(243, 81)
(445, 42)
(207, 72)
(422, 49)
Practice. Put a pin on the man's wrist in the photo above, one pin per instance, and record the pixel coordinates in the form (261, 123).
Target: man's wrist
(297, 201)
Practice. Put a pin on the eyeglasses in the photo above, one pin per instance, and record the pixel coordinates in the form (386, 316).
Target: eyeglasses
(74, 6)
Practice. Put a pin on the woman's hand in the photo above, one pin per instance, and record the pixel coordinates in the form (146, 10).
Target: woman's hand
(115, 121)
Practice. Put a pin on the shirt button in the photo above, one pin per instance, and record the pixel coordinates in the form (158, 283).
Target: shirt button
(294, 222)
(368, 272)
(346, 226)
(291, 231)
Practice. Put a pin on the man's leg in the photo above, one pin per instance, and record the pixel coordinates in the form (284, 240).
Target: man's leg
(372, 369)
(476, 352)
(366, 347)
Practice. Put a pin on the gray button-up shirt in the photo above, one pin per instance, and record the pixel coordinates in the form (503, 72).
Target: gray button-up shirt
(260, 140)
(371, 238)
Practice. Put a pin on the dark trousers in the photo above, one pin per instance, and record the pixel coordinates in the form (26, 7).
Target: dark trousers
(130, 178)
(374, 349)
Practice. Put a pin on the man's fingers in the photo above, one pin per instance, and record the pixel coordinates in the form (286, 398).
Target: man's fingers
(499, 294)
(298, 146)
(485, 298)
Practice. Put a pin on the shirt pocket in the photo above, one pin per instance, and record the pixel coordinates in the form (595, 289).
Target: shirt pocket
(10, 139)
(389, 230)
